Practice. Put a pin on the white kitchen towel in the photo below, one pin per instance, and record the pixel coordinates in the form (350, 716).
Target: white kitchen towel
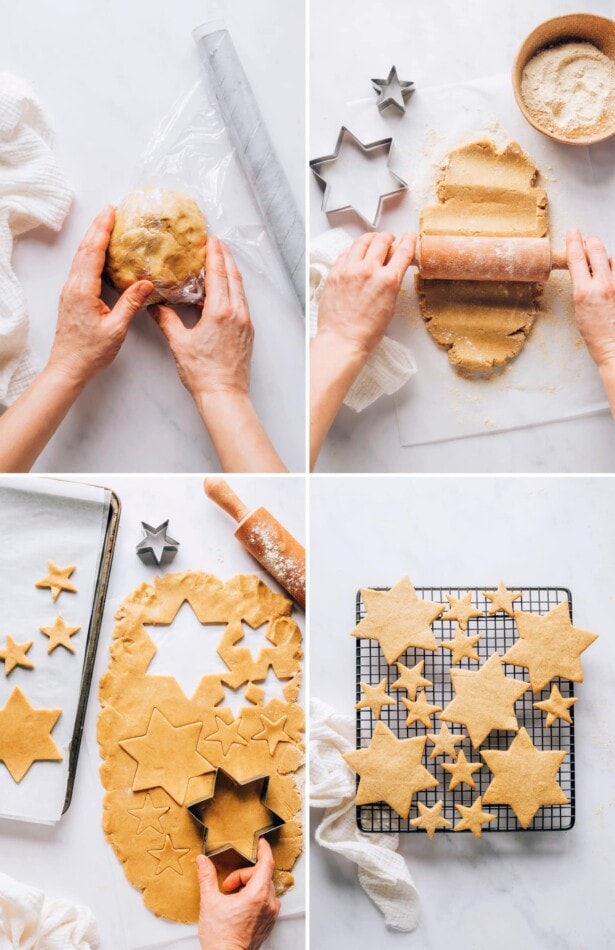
(31, 921)
(391, 364)
(383, 874)
(33, 191)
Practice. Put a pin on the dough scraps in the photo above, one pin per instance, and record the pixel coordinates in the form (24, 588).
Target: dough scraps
(57, 580)
(25, 735)
(430, 818)
(484, 700)
(444, 742)
(410, 678)
(59, 635)
(461, 647)
(375, 697)
(390, 770)
(549, 646)
(14, 654)
(420, 710)
(461, 771)
(501, 599)
(488, 192)
(461, 609)
(473, 818)
(398, 619)
(524, 777)
(133, 820)
(556, 706)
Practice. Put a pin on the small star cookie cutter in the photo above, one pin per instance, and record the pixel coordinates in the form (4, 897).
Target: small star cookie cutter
(401, 91)
(198, 810)
(318, 164)
(157, 548)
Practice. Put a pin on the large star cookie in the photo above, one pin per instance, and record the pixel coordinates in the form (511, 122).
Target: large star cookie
(502, 599)
(430, 818)
(524, 777)
(473, 817)
(390, 770)
(461, 647)
(549, 646)
(556, 706)
(484, 700)
(410, 678)
(398, 619)
(25, 735)
(375, 697)
(461, 609)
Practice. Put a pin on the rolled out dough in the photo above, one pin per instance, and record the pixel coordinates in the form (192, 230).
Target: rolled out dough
(483, 191)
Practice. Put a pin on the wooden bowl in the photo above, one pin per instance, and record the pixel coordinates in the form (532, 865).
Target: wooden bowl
(576, 26)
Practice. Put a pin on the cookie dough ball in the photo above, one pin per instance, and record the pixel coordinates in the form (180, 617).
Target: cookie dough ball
(159, 236)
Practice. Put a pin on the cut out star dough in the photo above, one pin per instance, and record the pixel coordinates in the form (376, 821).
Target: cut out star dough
(57, 580)
(149, 815)
(473, 817)
(461, 771)
(524, 777)
(461, 609)
(461, 647)
(549, 646)
(420, 710)
(501, 599)
(556, 706)
(410, 678)
(169, 857)
(390, 770)
(166, 756)
(14, 654)
(430, 818)
(484, 700)
(25, 735)
(398, 619)
(273, 732)
(59, 635)
(227, 734)
(444, 742)
(374, 698)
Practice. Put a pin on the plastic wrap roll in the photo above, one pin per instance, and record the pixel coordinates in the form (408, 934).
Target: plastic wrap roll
(255, 150)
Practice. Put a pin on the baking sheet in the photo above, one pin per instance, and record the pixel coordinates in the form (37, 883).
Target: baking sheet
(41, 519)
(553, 377)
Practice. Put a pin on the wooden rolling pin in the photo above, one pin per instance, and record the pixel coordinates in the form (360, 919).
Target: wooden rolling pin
(444, 257)
(265, 539)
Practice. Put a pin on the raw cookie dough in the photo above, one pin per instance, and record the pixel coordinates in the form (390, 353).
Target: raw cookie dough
(159, 236)
(483, 191)
(25, 735)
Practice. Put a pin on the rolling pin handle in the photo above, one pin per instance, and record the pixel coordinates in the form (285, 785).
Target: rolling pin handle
(559, 260)
(224, 496)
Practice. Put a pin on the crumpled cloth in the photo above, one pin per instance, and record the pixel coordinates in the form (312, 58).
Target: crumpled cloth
(383, 874)
(33, 191)
(31, 921)
(391, 364)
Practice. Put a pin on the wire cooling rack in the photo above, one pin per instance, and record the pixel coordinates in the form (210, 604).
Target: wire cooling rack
(498, 633)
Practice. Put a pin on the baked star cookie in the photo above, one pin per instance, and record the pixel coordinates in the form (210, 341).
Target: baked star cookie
(375, 697)
(390, 770)
(410, 678)
(461, 609)
(556, 706)
(444, 742)
(461, 646)
(430, 818)
(484, 700)
(524, 777)
(473, 817)
(398, 619)
(501, 599)
(461, 771)
(549, 646)
(420, 710)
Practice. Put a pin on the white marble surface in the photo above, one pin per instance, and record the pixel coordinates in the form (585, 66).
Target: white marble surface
(107, 72)
(73, 860)
(537, 891)
(432, 44)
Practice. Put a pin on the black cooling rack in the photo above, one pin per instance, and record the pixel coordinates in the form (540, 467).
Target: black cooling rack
(498, 633)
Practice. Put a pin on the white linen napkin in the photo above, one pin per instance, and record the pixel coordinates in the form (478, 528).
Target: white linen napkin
(383, 873)
(31, 921)
(33, 191)
(391, 364)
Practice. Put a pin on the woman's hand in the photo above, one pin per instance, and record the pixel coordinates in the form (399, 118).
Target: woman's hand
(89, 334)
(593, 288)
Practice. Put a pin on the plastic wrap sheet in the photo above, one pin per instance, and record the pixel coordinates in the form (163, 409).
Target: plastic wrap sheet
(40, 520)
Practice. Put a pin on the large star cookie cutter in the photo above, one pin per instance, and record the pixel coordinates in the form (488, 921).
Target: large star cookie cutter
(318, 165)
(392, 91)
(157, 548)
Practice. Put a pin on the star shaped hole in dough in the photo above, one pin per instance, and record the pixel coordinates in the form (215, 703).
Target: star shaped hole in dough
(461, 771)
(390, 770)
(484, 700)
(410, 678)
(398, 619)
(60, 635)
(14, 654)
(501, 599)
(461, 646)
(273, 732)
(549, 646)
(444, 742)
(167, 756)
(169, 857)
(149, 815)
(375, 697)
(524, 777)
(227, 734)
(25, 735)
(461, 609)
(420, 710)
(57, 580)
(556, 706)
(473, 817)
(430, 818)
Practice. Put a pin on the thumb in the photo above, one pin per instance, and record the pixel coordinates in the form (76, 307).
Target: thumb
(207, 876)
(167, 320)
(132, 300)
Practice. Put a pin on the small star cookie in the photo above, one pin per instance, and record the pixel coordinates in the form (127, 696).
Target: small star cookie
(461, 647)
(169, 857)
(374, 698)
(444, 742)
(227, 734)
(501, 599)
(430, 818)
(461, 610)
(473, 818)
(420, 710)
(14, 654)
(556, 706)
(398, 619)
(59, 635)
(410, 678)
(149, 815)
(273, 732)
(57, 580)
(461, 771)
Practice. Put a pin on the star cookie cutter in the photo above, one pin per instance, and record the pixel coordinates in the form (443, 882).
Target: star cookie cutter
(402, 90)
(198, 810)
(157, 548)
(317, 165)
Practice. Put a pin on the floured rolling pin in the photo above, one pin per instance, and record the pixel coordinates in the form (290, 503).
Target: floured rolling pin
(445, 257)
(264, 538)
